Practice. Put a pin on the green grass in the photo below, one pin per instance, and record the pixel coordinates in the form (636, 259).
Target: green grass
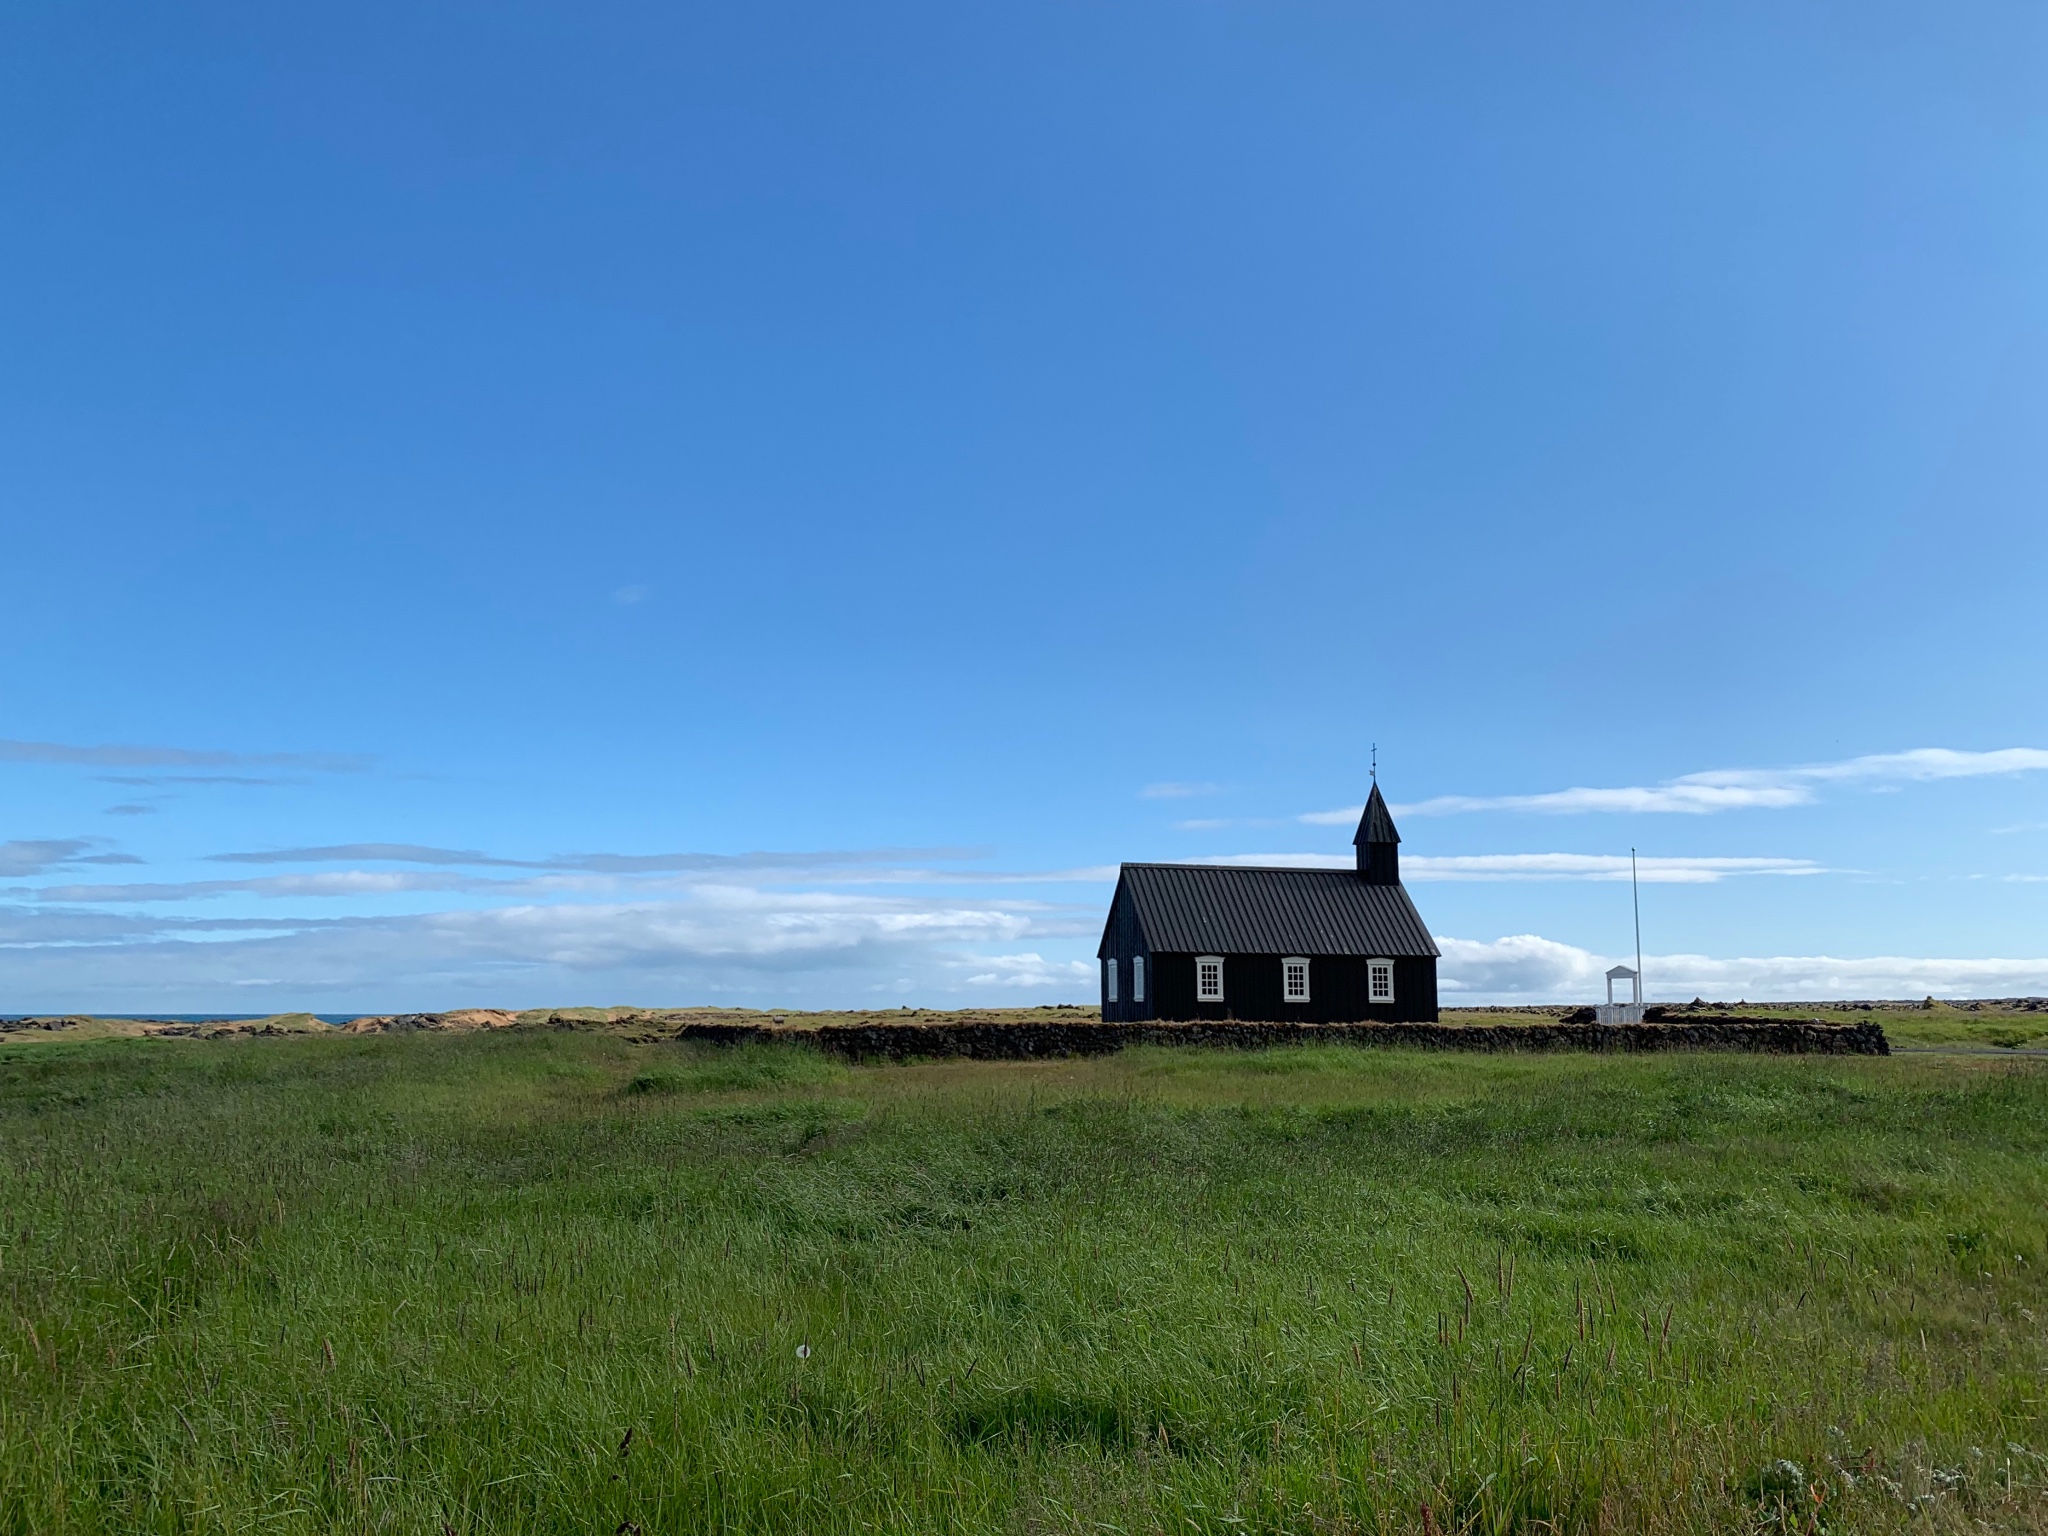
(745, 1068)
(1945, 1025)
(429, 1283)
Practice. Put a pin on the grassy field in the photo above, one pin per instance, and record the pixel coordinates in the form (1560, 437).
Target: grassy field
(554, 1281)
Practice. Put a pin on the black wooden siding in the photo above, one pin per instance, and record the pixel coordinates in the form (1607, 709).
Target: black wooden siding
(1252, 990)
(1122, 939)
(1255, 919)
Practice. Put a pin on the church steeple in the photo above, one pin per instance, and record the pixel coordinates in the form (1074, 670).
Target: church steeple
(1378, 844)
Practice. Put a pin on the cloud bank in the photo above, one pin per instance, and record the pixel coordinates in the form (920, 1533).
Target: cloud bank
(1529, 969)
(65, 754)
(817, 929)
(566, 876)
(601, 863)
(1727, 789)
(712, 943)
(35, 856)
(1424, 868)
(736, 945)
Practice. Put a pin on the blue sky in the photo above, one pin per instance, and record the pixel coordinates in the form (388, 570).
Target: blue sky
(527, 504)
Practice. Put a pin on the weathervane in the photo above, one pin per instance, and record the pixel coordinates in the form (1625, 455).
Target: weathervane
(1375, 762)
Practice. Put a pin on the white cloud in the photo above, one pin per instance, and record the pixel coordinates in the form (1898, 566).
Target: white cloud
(729, 942)
(1730, 789)
(738, 943)
(1283, 860)
(1543, 866)
(375, 853)
(31, 928)
(336, 883)
(1596, 866)
(1343, 816)
(59, 752)
(1681, 796)
(582, 874)
(1178, 791)
(1086, 875)
(782, 929)
(718, 923)
(1920, 764)
(606, 863)
(1032, 970)
(1529, 969)
(33, 856)
(1521, 967)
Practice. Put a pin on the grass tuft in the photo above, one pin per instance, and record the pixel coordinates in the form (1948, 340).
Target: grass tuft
(737, 1069)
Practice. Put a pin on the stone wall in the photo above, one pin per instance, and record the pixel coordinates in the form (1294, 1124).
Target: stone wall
(1025, 1042)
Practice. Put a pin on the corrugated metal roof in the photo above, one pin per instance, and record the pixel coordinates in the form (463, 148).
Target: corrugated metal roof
(1225, 909)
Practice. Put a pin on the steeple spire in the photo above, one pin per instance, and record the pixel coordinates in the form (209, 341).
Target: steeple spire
(1378, 844)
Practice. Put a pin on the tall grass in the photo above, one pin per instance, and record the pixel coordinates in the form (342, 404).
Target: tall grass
(550, 1281)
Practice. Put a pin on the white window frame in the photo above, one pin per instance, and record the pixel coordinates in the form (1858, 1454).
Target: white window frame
(1203, 993)
(1109, 970)
(1137, 978)
(1373, 968)
(1287, 966)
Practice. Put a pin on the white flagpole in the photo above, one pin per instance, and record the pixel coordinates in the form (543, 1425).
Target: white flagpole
(1636, 901)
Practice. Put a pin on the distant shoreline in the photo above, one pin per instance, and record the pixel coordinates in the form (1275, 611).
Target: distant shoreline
(1993, 1024)
(593, 1014)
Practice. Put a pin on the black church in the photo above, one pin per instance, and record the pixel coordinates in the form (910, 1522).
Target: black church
(1317, 946)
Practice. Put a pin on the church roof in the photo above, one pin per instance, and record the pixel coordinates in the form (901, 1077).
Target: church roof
(1229, 909)
(1377, 824)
